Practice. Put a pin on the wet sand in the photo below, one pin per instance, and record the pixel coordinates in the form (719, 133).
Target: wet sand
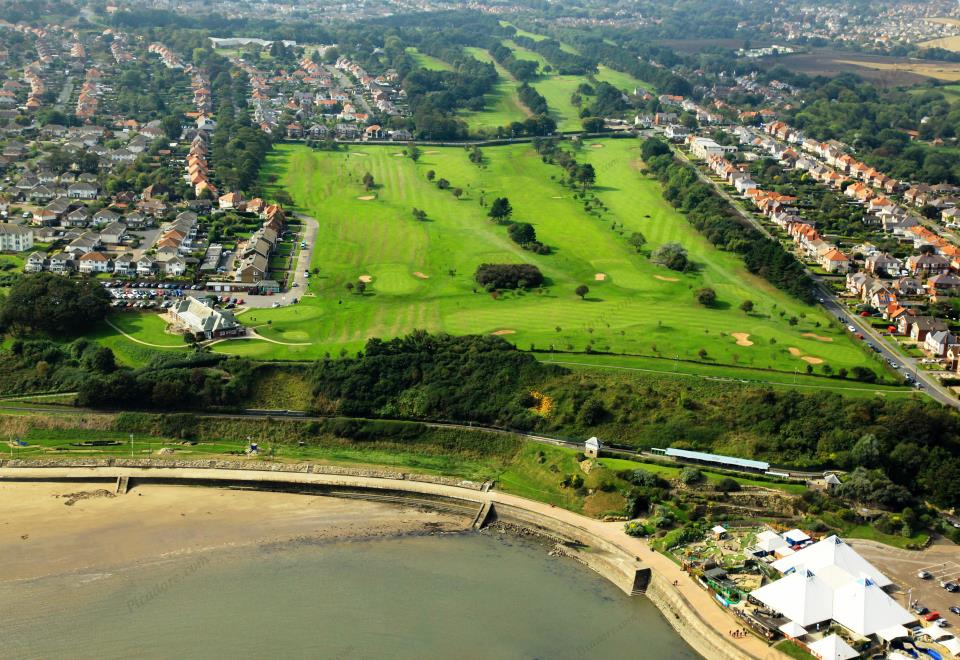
(40, 535)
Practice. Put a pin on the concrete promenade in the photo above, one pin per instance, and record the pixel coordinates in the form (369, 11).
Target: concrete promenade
(690, 609)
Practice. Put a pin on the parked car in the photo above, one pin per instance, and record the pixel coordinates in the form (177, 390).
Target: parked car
(955, 609)
(932, 616)
(920, 610)
(924, 575)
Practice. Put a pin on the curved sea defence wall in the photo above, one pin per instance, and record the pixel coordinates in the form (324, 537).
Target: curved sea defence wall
(612, 555)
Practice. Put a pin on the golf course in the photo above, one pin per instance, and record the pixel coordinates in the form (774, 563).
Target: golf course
(418, 274)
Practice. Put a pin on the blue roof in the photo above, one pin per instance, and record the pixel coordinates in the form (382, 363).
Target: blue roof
(718, 459)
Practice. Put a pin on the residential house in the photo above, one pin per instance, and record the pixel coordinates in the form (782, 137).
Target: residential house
(175, 267)
(230, 201)
(36, 262)
(882, 265)
(94, 262)
(61, 263)
(145, 265)
(114, 233)
(125, 264)
(927, 265)
(918, 327)
(909, 286)
(937, 342)
(14, 238)
(834, 261)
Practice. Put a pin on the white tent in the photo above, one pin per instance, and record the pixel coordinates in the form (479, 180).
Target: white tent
(800, 596)
(832, 551)
(865, 608)
(792, 629)
(893, 632)
(952, 644)
(770, 541)
(718, 530)
(795, 536)
(832, 648)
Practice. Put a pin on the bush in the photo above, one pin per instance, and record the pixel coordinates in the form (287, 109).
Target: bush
(508, 276)
(691, 475)
(728, 485)
(672, 256)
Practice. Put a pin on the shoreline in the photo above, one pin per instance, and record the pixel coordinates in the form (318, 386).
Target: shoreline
(690, 611)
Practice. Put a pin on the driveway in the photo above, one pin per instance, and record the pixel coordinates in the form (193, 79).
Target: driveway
(300, 279)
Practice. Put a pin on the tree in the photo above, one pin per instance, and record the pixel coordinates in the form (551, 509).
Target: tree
(592, 124)
(52, 304)
(368, 181)
(746, 306)
(361, 287)
(637, 240)
(585, 176)
(706, 296)
(522, 233)
(500, 210)
(582, 291)
(419, 214)
(442, 183)
(413, 151)
(431, 175)
(349, 287)
(728, 485)
(672, 256)
(866, 451)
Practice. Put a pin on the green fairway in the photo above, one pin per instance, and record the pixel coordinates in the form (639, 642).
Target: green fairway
(422, 272)
(558, 89)
(503, 105)
(428, 61)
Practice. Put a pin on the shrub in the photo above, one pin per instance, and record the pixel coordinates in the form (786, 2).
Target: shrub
(728, 485)
(691, 475)
(508, 276)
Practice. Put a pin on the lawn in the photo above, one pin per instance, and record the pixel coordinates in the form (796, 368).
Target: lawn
(428, 61)
(422, 272)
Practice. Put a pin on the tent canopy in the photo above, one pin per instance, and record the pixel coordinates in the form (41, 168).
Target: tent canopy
(891, 633)
(833, 648)
(793, 629)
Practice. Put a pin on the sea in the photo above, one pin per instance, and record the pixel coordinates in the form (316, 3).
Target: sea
(470, 595)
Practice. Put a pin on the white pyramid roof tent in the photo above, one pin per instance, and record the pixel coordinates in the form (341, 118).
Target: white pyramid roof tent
(832, 551)
(865, 608)
(801, 597)
(832, 648)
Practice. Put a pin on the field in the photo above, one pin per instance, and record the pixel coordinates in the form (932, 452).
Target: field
(947, 43)
(881, 70)
(422, 272)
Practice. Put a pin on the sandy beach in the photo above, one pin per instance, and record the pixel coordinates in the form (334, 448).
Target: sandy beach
(41, 535)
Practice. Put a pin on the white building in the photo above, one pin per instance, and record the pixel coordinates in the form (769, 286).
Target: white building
(14, 238)
(703, 148)
(194, 316)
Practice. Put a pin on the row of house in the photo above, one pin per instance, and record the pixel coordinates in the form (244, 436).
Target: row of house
(253, 258)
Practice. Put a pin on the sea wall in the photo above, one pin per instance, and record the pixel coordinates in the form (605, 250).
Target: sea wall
(689, 624)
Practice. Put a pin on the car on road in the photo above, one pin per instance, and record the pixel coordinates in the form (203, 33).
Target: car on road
(820, 300)
(851, 328)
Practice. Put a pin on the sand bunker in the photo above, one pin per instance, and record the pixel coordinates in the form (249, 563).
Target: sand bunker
(398, 155)
(366, 198)
(597, 146)
(743, 338)
(600, 277)
(421, 275)
(500, 333)
(358, 153)
(795, 352)
(811, 360)
(557, 197)
(431, 152)
(365, 278)
(664, 278)
(816, 336)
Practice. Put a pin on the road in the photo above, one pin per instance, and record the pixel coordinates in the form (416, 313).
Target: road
(931, 385)
(300, 280)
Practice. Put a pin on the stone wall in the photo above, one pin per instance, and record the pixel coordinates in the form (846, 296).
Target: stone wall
(263, 466)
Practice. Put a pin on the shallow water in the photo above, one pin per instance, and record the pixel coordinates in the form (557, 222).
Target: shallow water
(464, 596)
